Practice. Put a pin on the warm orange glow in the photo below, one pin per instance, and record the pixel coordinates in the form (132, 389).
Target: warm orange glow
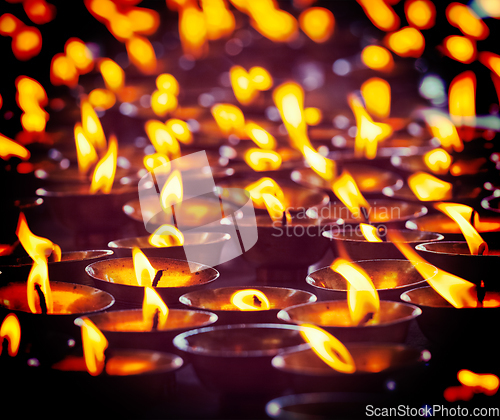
(328, 348)
(369, 133)
(229, 118)
(458, 292)
(172, 191)
(36, 246)
(260, 136)
(275, 207)
(39, 11)
(85, 152)
(486, 383)
(193, 30)
(157, 161)
(167, 83)
(362, 297)
(9, 148)
(289, 99)
(63, 71)
(438, 160)
(407, 42)
(112, 73)
(94, 344)
(141, 53)
(261, 186)
(250, 300)
(377, 58)
(465, 19)
(10, 330)
(79, 54)
(429, 188)
(162, 139)
(31, 97)
(460, 48)
(163, 102)
(144, 271)
(9, 24)
(246, 85)
(142, 21)
(455, 393)
(261, 78)
(461, 214)
(165, 236)
(102, 98)
(381, 14)
(317, 23)
(312, 115)
(420, 13)
(462, 99)
(262, 160)
(92, 125)
(376, 93)
(105, 170)
(218, 18)
(347, 191)
(180, 130)
(324, 167)
(27, 43)
(152, 305)
(369, 232)
(490, 60)
(444, 130)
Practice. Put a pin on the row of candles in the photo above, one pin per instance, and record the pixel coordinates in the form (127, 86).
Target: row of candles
(351, 338)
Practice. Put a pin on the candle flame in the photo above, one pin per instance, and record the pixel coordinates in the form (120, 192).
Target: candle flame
(459, 48)
(94, 344)
(9, 148)
(172, 191)
(438, 161)
(324, 167)
(157, 162)
(180, 130)
(420, 13)
(486, 383)
(166, 235)
(490, 60)
(85, 152)
(381, 14)
(429, 188)
(151, 305)
(264, 185)
(376, 93)
(36, 246)
(63, 71)
(10, 330)
(262, 160)
(102, 98)
(407, 42)
(260, 136)
(317, 23)
(26, 42)
(377, 58)
(193, 30)
(465, 19)
(444, 130)
(112, 74)
(369, 232)
(246, 85)
(162, 139)
(31, 97)
(141, 53)
(229, 118)
(275, 208)
(39, 11)
(92, 125)
(250, 300)
(81, 56)
(144, 271)
(462, 99)
(346, 189)
(219, 20)
(105, 170)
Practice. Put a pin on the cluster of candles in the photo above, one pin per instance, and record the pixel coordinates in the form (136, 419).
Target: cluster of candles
(351, 262)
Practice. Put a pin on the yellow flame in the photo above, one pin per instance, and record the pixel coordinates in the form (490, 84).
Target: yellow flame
(362, 297)
(102, 98)
(376, 93)
(31, 96)
(275, 207)
(420, 13)
(112, 73)
(163, 102)
(429, 188)
(180, 130)
(141, 54)
(157, 162)
(9, 148)
(323, 166)
(151, 305)
(312, 115)
(407, 42)
(444, 130)
(380, 13)
(260, 136)
(94, 344)
(63, 71)
(172, 191)
(490, 60)
(346, 189)
(165, 236)
(377, 58)
(250, 300)
(262, 160)
(167, 83)
(317, 23)
(369, 232)
(10, 330)
(144, 271)
(460, 48)
(79, 54)
(242, 86)
(438, 160)
(193, 30)
(36, 246)
(487, 382)
(105, 170)
(289, 99)
(229, 118)
(92, 125)
(462, 99)
(264, 185)
(465, 19)
(85, 152)
(162, 139)
(218, 18)
(461, 214)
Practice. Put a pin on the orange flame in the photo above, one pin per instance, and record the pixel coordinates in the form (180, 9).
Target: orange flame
(85, 152)
(262, 160)
(141, 53)
(9, 24)
(27, 43)
(369, 232)
(276, 208)
(112, 74)
(460, 48)
(246, 85)
(362, 297)
(380, 14)
(486, 383)
(162, 139)
(10, 330)
(63, 71)
(172, 191)
(317, 23)
(376, 93)
(229, 118)
(81, 56)
(444, 130)
(438, 160)
(377, 58)
(461, 213)
(180, 130)
(36, 246)
(429, 188)
(39, 11)
(144, 271)
(260, 136)
(465, 19)
(94, 344)
(158, 162)
(165, 236)
(407, 42)
(264, 185)
(163, 102)
(289, 99)
(105, 170)
(328, 348)
(9, 148)
(323, 166)
(462, 99)
(102, 98)
(250, 300)
(193, 30)
(420, 13)
(151, 305)
(167, 83)
(219, 20)
(92, 125)
(31, 97)
(490, 60)
(346, 189)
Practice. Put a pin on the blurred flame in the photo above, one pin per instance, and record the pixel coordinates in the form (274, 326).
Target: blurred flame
(163, 102)
(486, 382)
(465, 19)
(63, 71)
(172, 191)
(39, 11)
(369, 232)
(490, 60)
(105, 170)
(157, 162)
(85, 152)
(264, 185)
(144, 271)
(444, 130)
(438, 160)
(9, 148)
(407, 42)
(246, 85)
(380, 14)
(250, 300)
(94, 344)
(275, 207)
(219, 20)
(9, 24)
(81, 56)
(376, 93)
(429, 188)
(167, 83)
(323, 166)
(162, 139)
(112, 74)
(165, 236)
(151, 305)
(346, 189)
(31, 97)
(317, 23)
(36, 246)
(362, 297)
(229, 118)
(141, 53)
(92, 125)
(260, 136)
(420, 13)
(312, 115)
(27, 43)
(458, 213)
(462, 99)
(102, 98)
(180, 130)
(377, 58)
(262, 160)
(10, 330)
(193, 30)
(460, 48)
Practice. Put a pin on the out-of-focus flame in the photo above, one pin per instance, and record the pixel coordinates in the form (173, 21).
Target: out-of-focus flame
(376, 93)
(377, 58)
(152, 305)
(101, 98)
(10, 330)
(490, 60)
(444, 130)
(27, 43)
(260, 136)
(262, 160)
(157, 162)
(180, 130)
(141, 53)
(39, 11)
(420, 13)
(167, 83)
(264, 185)
(166, 235)
(193, 30)
(323, 166)
(317, 23)
(362, 297)
(144, 271)
(9, 24)
(250, 300)
(92, 125)
(407, 42)
(85, 152)
(63, 71)
(172, 191)
(105, 170)
(219, 20)
(229, 118)
(81, 56)
(276, 208)
(486, 383)
(460, 48)
(458, 292)
(9, 148)
(312, 115)
(465, 19)
(438, 160)
(346, 189)
(289, 99)
(112, 74)
(429, 188)
(462, 99)
(162, 139)
(164, 99)
(461, 214)
(369, 232)
(380, 14)
(94, 344)
(31, 97)
(246, 85)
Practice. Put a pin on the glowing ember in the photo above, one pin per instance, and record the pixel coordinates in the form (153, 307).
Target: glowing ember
(250, 300)
(262, 160)
(317, 23)
(9, 148)
(438, 161)
(105, 170)
(260, 136)
(376, 93)
(85, 152)
(369, 232)
(154, 307)
(420, 13)
(462, 99)
(465, 19)
(94, 344)
(229, 118)
(346, 189)
(429, 188)
(165, 236)
(381, 14)
(10, 330)
(144, 271)
(377, 58)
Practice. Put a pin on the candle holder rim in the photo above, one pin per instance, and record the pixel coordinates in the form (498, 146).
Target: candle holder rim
(437, 236)
(120, 189)
(118, 243)
(405, 297)
(421, 247)
(100, 253)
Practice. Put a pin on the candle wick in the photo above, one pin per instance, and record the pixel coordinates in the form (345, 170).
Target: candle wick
(41, 296)
(156, 318)
(283, 219)
(364, 212)
(222, 207)
(173, 217)
(5, 346)
(157, 278)
(366, 318)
